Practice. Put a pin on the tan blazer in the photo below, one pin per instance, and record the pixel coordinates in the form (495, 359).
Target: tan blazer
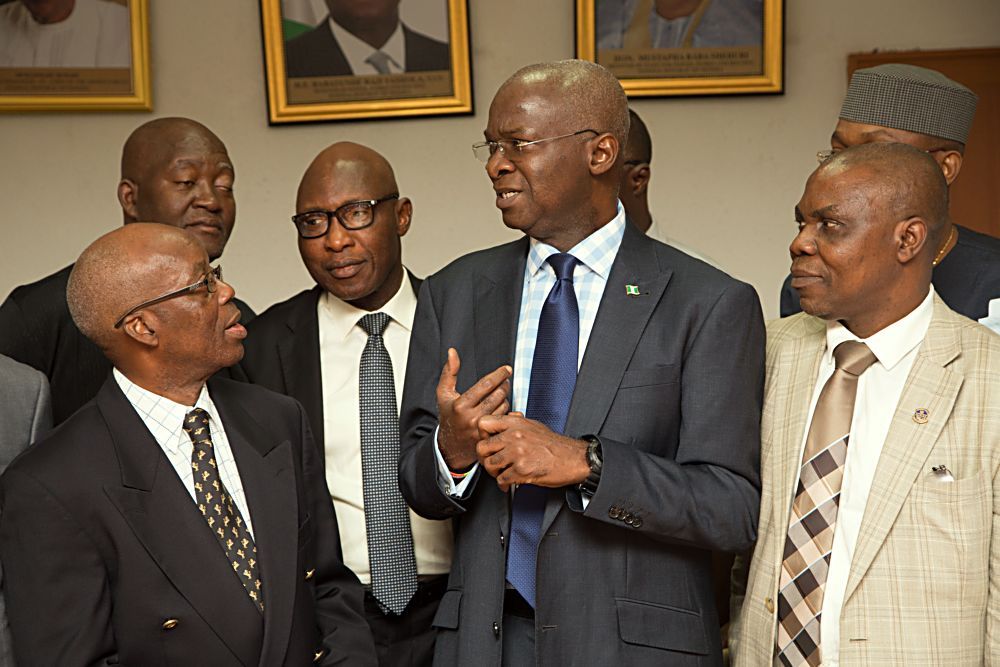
(924, 585)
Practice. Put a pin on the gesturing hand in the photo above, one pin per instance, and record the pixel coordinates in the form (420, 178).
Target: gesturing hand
(459, 414)
(517, 450)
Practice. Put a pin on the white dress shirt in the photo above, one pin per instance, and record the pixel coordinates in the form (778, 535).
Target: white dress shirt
(165, 421)
(96, 34)
(596, 253)
(879, 390)
(341, 342)
(357, 51)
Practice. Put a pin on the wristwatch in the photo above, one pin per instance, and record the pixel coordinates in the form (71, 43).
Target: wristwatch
(596, 461)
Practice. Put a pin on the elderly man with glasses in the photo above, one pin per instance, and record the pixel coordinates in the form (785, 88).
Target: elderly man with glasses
(927, 110)
(585, 517)
(341, 349)
(172, 517)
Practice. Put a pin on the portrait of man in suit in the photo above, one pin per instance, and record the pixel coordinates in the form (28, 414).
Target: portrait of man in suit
(363, 38)
(173, 518)
(880, 438)
(584, 401)
(341, 349)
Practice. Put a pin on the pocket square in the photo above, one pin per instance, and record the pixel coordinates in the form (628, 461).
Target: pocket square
(941, 474)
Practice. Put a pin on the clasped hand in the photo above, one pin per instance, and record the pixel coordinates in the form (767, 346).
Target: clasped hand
(475, 426)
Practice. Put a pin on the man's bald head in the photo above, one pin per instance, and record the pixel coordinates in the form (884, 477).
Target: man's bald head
(177, 172)
(905, 181)
(348, 161)
(363, 266)
(118, 270)
(590, 95)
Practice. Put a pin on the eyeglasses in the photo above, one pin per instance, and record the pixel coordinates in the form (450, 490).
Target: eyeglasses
(824, 155)
(210, 281)
(353, 215)
(511, 148)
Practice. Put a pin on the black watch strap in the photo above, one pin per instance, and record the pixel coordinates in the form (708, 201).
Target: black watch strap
(596, 461)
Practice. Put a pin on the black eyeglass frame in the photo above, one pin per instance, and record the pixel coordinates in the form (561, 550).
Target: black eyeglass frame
(369, 203)
(209, 281)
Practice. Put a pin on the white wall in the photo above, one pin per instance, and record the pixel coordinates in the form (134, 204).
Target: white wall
(726, 171)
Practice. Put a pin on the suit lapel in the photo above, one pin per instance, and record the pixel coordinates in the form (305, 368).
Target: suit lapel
(495, 314)
(268, 476)
(300, 361)
(930, 385)
(163, 517)
(611, 345)
(800, 364)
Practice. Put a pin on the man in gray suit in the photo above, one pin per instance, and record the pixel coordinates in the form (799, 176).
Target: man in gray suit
(25, 412)
(635, 377)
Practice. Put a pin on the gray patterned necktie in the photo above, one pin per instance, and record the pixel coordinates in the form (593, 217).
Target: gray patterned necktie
(387, 519)
(380, 61)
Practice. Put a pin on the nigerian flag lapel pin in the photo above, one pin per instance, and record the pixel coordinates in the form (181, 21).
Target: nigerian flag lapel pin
(632, 290)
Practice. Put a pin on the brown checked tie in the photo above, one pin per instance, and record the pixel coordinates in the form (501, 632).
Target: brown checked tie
(809, 542)
(217, 506)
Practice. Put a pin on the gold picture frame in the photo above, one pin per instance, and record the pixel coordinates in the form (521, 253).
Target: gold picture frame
(655, 56)
(87, 88)
(313, 93)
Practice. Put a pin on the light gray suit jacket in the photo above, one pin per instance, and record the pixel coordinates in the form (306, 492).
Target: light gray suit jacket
(671, 381)
(25, 413)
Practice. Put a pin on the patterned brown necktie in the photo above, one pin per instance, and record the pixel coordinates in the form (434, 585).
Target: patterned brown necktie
(809, 543)
(217, 506)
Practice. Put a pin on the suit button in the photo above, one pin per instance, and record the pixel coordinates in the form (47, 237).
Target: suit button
(496, 629)
(501, 541)
(769, 603)
(636, 522)
(310, 573)
(170, 624)
(628, 519)
(614, 512)
(318, 655)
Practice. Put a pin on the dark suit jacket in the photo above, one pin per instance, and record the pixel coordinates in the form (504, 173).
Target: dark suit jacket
(317, 53)
(671, 381)
(103, 544)
(37, 329)
(282, 353)
(967, 279)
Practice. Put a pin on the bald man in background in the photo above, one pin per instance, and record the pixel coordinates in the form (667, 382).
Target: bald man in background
(316, 347)
(927, 110)
(174, 171)
(173, 517)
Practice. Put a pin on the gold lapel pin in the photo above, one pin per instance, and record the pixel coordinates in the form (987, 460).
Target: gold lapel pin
(921, 415)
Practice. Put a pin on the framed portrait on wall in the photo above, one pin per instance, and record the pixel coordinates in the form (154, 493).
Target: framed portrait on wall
(685, 47)
(74, 55)
(344, 59)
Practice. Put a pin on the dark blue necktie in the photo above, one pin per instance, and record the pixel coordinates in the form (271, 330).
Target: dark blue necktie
(553, 378)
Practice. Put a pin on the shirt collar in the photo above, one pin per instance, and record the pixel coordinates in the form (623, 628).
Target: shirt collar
(163, 417)
(357, 51)
(891, 344)
(596, 252)
(342, 317)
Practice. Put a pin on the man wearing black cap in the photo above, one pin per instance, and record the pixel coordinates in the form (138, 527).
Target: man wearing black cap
(927, 110)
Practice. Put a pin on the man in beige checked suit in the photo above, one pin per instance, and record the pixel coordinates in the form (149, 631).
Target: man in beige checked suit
(879, 545)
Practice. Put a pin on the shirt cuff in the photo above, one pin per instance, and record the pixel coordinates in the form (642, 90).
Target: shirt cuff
(445, 480)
